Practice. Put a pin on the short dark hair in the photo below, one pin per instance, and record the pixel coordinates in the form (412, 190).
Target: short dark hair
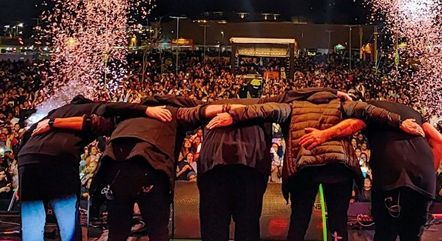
(80, 99)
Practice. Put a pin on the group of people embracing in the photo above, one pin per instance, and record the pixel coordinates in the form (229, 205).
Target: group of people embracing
(139, 163)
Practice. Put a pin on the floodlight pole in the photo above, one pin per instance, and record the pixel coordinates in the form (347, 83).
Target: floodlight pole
(349, 47)
(178, 18)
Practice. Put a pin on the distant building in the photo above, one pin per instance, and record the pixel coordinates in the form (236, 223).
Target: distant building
(16, 48)
(308, 36)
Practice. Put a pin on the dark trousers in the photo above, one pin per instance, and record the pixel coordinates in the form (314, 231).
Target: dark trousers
(231, 191)
(96, 201)
(135, 181)
(401, 212)
(302, 197)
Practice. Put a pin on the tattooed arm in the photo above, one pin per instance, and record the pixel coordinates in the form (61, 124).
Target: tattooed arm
(315, 137)
(93, 124)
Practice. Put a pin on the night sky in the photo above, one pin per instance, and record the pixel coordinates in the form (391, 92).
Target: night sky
(320, 11)
(12, 11)
(330, 11)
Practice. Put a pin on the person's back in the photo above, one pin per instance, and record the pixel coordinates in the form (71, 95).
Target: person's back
(60, 143)
(159, 140)
(332, 164)
(399, 159)
(48, 172)
(233, 169)
(68, 144)
(139, 165)
(242, 144)
(404, 179)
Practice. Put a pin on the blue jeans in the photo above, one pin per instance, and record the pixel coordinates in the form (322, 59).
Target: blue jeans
(33, 218)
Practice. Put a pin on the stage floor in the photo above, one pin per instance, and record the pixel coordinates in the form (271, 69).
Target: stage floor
(274, 219)
(434, 233)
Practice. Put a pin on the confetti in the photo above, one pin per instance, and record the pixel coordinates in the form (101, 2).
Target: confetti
(419, 22)
(87, 42)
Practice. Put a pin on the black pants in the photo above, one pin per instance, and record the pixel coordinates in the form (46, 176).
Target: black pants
(401, 212)
(96, 201)
(231, 191)
(303, 190)
(135, 181)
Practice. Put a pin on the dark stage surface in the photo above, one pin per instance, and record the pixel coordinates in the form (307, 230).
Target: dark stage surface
(274, 220)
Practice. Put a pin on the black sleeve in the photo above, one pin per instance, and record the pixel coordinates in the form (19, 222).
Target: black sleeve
(172, 100)
(270, 112)
(371, 114)
(190, 118)
(121, 108)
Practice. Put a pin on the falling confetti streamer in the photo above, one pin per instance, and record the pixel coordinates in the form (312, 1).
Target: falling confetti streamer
(419, 22)
(88, 42)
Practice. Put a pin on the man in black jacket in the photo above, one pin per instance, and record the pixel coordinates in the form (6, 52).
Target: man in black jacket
(48, 164)
(404, 180)
(403, 168)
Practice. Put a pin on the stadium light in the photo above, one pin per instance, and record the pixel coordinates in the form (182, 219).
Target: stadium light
(178, 18)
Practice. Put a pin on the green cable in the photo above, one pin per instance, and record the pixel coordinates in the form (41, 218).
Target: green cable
(324, 219)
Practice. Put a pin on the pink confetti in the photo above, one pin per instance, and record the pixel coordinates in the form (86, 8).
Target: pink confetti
(419, 22)
(88, 42)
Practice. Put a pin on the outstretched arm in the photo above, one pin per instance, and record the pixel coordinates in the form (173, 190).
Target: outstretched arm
(212, 110)
(434, 137)
(70, 123)
(97, 125)
(372, 114)
(347, 127)
(134, 110)
(271, 112)
(315, 137)
(193, 116)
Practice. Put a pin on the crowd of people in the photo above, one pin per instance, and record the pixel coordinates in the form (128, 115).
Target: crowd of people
(20, 83)
(206, 80)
